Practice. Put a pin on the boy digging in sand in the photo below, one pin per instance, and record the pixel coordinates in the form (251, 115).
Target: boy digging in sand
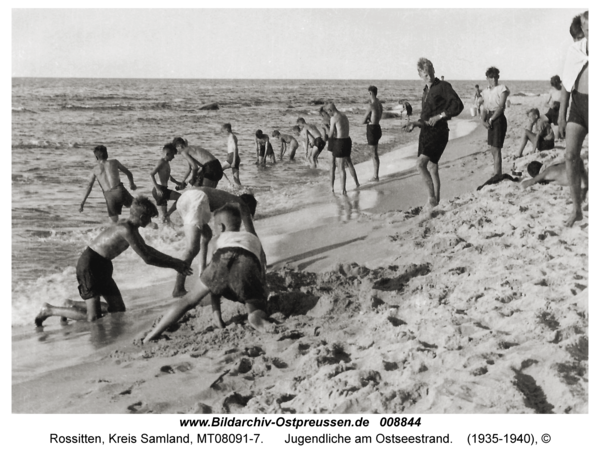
(161, 193)
(286, 141)
(107, 173)
(94, 268)
(235, 272)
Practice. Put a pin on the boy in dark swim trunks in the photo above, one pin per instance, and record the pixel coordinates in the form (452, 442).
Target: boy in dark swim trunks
(556, 173)
(286, 141)
(372, 118)
(264, 149)
(161, 193)
(311, 136)
(107, 173)
(201, 162)
(233, 156)
(94, 268)
(542, 139)
(236, 272)
(341, 146)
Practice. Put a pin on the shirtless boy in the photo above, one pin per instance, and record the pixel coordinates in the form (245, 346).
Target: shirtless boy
(372, 118)
(556, 173)
(195, 207)
(94, 268)
(543, 137)
(107, 173)
(161, 193)
(235, 272)
(311, 136)
(341, 146)
(233, 155)
(287, 140)
(264, 148)
(200, 162)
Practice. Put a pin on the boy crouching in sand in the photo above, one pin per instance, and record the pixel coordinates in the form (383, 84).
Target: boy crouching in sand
(556, 173)
(235, 272)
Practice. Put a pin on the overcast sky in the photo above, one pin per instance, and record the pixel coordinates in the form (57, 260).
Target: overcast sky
(288, 44)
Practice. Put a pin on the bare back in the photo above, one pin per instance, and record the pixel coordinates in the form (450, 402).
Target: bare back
(112, 241)
(164, 171)
(286, 138)
(107, 173)
(198, 154)
(313, 130)
(340, 122)
(376, 110)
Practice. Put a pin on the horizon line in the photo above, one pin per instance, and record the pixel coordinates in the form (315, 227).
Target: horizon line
(241, 79)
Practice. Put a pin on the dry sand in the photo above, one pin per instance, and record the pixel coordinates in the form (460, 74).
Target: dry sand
(482, 308)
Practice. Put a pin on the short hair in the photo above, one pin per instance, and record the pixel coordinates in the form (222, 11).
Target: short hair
(250, 201)
(492, 71)
(276, 133)
(585, 15)
(234, 217)
(227, 126)
(180, 141)
(170, 147)
(100, 152)
(425, 65)
(141, 206)
(330, 104)
(477, 85)
(259, 134)
(373, 90)
(300, 120)
(534, 168)
(556, 82)
(296, 129)
(535, 110)
(575, 29)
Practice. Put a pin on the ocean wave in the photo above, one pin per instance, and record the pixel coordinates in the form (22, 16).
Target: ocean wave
(22, 110)
(43, 144)
(525, 94)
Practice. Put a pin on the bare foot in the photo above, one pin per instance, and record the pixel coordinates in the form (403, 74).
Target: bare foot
(179, 292)
(218, 322)
(374, 179)
(344, 193)
(44, 314)
(575, 216)
(257, 321)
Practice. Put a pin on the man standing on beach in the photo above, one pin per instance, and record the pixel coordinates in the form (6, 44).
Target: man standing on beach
(492, 115)
(575, 92)
(233, 156)
(341, 146)
(201, 162)
(95, 269)
(107, 173)
(372, 118)
(439, 104)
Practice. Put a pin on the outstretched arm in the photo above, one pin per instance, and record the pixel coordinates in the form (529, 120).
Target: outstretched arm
(88, 190)
(192, 166)
(129, 175)
(537, 179)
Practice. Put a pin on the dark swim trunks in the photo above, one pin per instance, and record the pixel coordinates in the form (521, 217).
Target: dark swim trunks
(497, 132)
(545, 144)
(342, 147)
(212, 171)
(330, 142)
(166, 194)
(373, 134)
(408, 108)
(236, 274)
(319, 143)
(94, 275)
(579, 109)
(552, 115)
(269, 150)
(116, 198)
(235, 165)
(433, 140)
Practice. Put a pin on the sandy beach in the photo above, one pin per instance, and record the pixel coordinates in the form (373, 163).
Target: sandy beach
(480, 308)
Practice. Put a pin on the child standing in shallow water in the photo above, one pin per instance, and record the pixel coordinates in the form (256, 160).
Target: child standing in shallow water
(162, 194)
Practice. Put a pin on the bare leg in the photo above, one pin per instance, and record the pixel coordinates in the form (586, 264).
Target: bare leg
(91, 312)
(584, 180)
(528, 136)
(293, 152)
(435, 177)
(375, 158)
(333, 163)
(341, 162)
(163, 212)
(178, 309)
(352, 170)
(215, 301)
(575, 134)
(497, 154)
(422, 163)
(236, 176)
(192, 237)
(257, 318)
(114, 218)
(174, 197)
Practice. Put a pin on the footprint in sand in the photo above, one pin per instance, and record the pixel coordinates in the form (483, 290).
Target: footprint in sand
(173, 369)
(139, 408)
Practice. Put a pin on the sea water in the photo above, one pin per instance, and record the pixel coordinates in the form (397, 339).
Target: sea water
(56, 123)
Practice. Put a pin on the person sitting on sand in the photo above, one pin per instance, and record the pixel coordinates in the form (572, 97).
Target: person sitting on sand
(162, 194)
(107, 173)
(575, 128)
(492, 115)
(200, 162)
(341, 146)
(556, 173)
(287, 141)
(542, 139)
(553, 100)
(264, 149)
(195, 207)
(311, 136)
(236, 271)
(439, 104)
(94, 268)
(233, 155)
(371, 119)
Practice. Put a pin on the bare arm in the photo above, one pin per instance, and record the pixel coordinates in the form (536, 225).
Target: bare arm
(192, 166)
(157, 169)
(562, 112)
(367, 117)
(88, 190)
(537, 179)
(129, 175)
